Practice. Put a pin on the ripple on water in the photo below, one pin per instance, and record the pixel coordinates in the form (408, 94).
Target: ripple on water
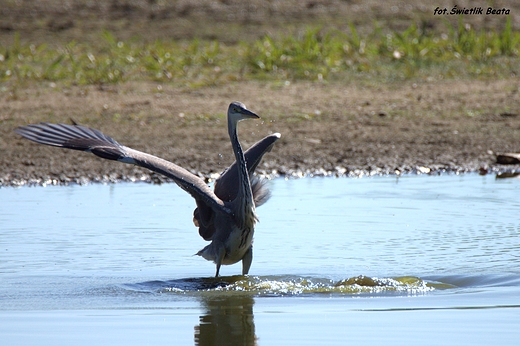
(291, 285)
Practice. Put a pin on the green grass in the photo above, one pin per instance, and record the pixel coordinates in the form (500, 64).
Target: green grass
(314, 55)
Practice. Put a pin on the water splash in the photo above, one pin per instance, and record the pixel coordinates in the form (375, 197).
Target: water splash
(294, 285)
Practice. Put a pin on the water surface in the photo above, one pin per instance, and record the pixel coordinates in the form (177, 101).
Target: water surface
(429, 259)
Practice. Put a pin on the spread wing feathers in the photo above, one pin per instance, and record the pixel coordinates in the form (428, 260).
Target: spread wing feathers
(261, 193)
(82, 138)
(226, 187)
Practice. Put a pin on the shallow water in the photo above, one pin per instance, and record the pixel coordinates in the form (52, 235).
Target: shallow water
(414, 259)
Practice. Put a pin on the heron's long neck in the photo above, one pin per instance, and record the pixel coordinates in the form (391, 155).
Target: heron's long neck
(244, 185)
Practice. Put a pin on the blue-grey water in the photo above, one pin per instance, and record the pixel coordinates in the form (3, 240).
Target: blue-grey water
(383, 260)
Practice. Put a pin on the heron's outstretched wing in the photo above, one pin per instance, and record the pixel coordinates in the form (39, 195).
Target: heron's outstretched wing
(226, 186)
(83, 138)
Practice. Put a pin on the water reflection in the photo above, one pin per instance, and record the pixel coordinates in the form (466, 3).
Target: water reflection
(227, 302)
(228, 313)
(228, 320)
(428, 244)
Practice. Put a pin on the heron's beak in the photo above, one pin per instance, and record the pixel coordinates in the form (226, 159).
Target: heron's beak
(248, 114)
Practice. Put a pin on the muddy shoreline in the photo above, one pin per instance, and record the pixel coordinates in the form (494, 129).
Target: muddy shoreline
(418, 128)
(350, 128)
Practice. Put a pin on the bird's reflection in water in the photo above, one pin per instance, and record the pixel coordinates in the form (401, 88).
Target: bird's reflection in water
(228, 317)
(228, 321)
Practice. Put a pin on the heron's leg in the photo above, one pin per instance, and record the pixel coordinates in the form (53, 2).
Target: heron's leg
(220, 256)
(247, 260)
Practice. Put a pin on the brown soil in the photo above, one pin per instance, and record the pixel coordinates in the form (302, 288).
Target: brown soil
(338, 128)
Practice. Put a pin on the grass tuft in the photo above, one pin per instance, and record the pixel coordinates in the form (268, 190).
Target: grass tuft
(313, 55)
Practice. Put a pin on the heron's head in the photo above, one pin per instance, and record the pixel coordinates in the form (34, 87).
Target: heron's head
(237, 111)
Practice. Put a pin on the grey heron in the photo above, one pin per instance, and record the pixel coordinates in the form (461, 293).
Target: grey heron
(225, 216)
